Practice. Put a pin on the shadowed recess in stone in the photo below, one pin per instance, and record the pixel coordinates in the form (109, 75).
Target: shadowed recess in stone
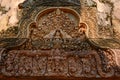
(50, 3)
(112, 43)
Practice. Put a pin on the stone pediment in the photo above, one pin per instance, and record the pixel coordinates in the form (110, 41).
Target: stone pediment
(52, 41)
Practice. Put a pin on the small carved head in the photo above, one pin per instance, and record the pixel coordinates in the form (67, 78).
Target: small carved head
(82, 28)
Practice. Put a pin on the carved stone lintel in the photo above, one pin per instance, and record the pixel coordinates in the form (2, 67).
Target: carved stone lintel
(58, 63)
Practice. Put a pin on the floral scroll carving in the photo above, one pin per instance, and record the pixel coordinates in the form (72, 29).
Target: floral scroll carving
(57, 62)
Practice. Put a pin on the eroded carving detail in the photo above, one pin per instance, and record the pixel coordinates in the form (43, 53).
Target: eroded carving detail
(56, 46)
(107, 61)
(50, 63)
(58, 62)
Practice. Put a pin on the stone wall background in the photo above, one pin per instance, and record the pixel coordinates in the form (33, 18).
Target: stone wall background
(9, 13)
(108, 15)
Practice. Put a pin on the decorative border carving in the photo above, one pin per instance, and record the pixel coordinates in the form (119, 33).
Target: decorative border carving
(57, 62)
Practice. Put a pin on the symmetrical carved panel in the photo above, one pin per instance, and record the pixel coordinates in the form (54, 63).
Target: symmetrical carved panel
(53, 42)
(58, 62)
(57, 20)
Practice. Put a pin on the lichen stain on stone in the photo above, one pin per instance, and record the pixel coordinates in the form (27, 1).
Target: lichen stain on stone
(10, 17)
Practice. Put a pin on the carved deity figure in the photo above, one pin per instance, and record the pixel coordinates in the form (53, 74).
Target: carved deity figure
(57, 39)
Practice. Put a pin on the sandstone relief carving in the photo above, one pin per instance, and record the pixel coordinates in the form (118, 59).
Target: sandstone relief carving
(57, 62)
(55, 40)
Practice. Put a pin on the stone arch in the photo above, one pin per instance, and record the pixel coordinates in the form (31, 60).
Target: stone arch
(36, 15)
(50, 10)
(64, 9)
